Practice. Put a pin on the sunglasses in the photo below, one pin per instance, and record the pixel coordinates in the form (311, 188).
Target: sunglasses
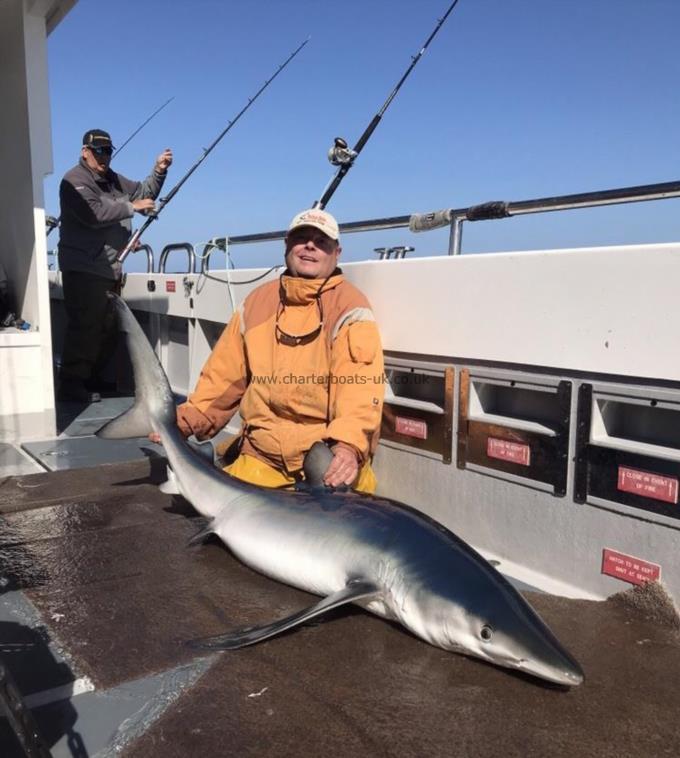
(320, 240)
(101, 150)
(292, 340)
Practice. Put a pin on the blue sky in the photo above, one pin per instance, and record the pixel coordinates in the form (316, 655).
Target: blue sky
(513, 100)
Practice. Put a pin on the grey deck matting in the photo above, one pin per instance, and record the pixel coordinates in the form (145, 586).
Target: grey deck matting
(107, 554)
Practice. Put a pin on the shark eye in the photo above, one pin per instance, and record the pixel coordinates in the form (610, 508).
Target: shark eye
(486, 633)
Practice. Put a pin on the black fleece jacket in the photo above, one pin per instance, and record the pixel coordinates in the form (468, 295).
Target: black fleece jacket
(95, 218)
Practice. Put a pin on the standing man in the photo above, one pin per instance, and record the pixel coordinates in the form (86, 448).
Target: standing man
(301, 359)
(96, 207)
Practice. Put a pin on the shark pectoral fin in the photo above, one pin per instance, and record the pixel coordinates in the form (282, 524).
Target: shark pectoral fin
(200, 537)
(170, 486)
(133, 423)
(354, 590)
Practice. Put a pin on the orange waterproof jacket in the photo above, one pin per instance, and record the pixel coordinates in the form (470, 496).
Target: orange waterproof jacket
(294, 384)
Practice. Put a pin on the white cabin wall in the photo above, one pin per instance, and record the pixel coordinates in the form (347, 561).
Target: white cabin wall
(586, 309)
(17, 232)
(26, 389)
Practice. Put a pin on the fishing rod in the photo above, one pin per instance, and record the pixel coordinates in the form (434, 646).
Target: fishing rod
(139, 128)
(152, 216)
(341, 154)
(51, 221)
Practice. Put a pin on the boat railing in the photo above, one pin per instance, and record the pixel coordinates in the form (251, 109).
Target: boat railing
(186, 246)
(398, 251)
(147, 249)
(455, 217)
(494, 210)
(53, 264)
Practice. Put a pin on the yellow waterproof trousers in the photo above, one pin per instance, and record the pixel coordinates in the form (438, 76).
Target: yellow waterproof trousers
(252, 470)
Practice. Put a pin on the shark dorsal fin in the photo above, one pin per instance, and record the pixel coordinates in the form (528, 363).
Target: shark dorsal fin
(132, 423)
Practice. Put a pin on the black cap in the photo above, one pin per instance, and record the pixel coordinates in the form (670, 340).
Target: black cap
(97, 138)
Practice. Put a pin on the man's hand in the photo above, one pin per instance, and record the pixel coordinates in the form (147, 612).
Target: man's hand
(163, 161)
(144, 206)
(344, 467)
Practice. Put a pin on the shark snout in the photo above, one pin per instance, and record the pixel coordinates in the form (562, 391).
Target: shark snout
(567, 672)
(573, 678)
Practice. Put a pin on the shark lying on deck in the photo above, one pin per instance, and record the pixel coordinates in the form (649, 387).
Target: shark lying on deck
(346, 547)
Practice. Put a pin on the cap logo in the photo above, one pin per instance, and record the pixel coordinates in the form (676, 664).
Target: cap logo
(313, 217)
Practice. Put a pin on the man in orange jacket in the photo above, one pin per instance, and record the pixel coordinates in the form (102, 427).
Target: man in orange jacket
(302, 361)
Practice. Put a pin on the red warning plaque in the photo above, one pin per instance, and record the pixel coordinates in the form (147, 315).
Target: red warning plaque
(170, 286)
(505, 450)
(648, 484)
(628, 568)
(411, 427)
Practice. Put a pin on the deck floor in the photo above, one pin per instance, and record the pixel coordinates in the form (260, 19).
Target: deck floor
(101, 556)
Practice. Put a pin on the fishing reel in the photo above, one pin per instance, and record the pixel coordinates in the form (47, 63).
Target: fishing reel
(341, 154)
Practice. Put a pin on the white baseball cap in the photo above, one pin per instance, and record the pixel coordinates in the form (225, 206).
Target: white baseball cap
(319, 219)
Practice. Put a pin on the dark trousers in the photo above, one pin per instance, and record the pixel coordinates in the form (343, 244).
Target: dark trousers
(91, 328)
